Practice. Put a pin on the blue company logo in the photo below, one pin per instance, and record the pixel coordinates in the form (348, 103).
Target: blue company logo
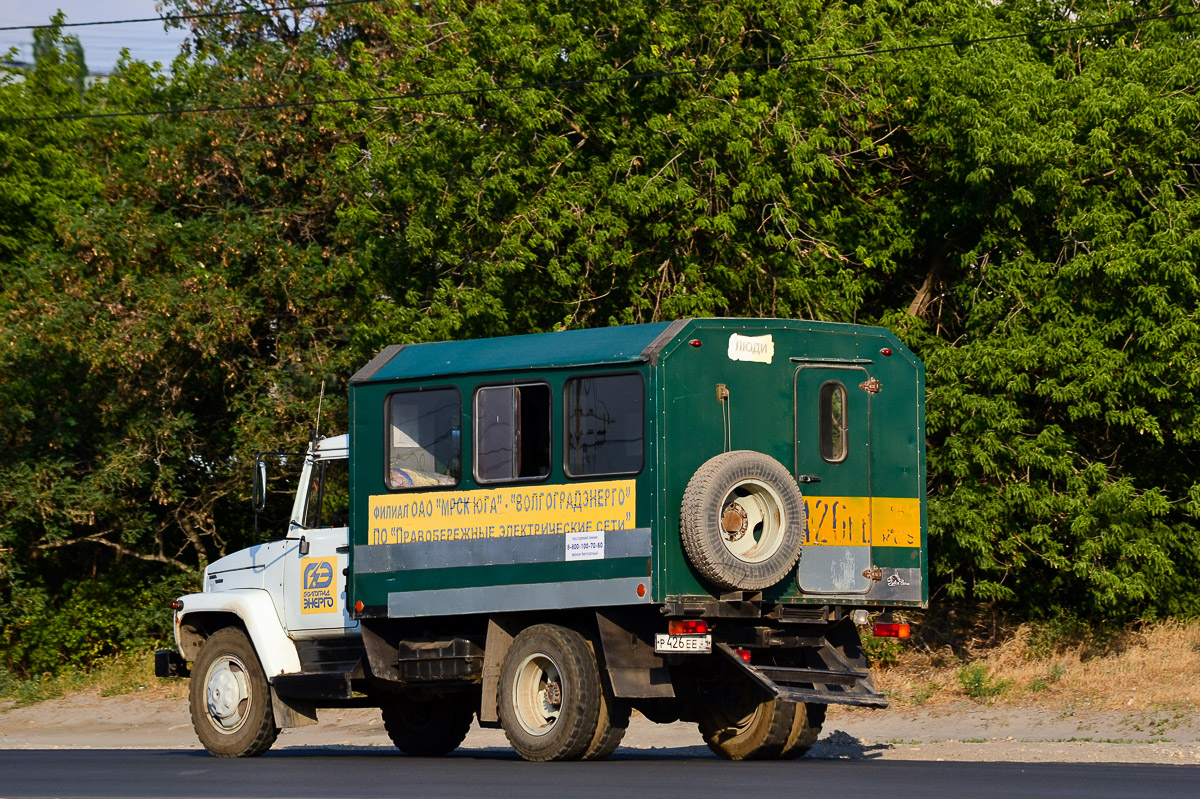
(318, 575)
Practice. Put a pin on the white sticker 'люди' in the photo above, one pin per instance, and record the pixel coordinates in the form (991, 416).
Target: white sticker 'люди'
(760, 349)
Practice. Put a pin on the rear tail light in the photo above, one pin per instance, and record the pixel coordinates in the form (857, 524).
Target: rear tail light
(687, 627)
(744, 654)
(887, 629)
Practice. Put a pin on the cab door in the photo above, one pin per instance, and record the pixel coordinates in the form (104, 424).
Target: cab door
(833, 469)
(318, 553)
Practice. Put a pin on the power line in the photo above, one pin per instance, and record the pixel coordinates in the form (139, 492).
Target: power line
(186, 17)
(781, 63)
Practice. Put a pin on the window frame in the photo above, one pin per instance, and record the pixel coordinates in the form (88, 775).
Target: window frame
(387, 443)
(512, 384)
(566, 455)
(844, 431)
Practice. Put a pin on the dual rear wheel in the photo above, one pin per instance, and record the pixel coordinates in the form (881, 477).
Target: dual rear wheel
(761, 728)
(553, 703)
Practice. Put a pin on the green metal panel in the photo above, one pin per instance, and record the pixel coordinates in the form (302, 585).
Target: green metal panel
(368, 469)
(761, 417)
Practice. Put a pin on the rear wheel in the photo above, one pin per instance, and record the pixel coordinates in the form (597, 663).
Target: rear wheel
(429, 727)
(550, 695)
(610, 728)
(229, 698)
(755, 727)
(806, 727)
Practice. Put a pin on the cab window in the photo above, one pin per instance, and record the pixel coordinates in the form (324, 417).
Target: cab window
(328, 494)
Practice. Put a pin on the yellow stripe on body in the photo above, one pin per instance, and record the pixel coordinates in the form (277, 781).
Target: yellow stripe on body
(860, 522)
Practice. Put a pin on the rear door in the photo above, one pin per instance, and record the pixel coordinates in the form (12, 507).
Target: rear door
(833, 468)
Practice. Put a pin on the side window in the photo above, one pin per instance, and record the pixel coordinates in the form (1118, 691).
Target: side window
(831, 410)
(424, 447)
(512, 433)
(328, 495)
(605, 424)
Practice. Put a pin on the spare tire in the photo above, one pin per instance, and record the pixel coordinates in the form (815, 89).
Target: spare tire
(742, 521)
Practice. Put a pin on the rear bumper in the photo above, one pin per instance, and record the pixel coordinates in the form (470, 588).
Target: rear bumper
(169, 663)
(840, 682)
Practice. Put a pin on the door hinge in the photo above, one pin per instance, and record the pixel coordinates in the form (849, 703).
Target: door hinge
(871, 386)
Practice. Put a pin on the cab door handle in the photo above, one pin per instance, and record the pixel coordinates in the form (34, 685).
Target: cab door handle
(808, 478)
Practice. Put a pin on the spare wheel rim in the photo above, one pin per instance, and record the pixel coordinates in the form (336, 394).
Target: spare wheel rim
(752, 524)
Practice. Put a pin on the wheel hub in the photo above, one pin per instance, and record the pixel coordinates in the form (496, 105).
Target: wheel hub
(735, 521)
(227, 693)
(554, 695)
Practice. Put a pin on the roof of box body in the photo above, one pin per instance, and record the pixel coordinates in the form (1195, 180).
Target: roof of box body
(568, 348)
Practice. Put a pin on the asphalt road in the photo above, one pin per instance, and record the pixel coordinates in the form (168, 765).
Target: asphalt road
(345, 773)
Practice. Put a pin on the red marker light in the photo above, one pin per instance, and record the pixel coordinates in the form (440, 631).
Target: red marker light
(687, 627)
(641, 590)
(358, 606)
(887, 629)
(695, 342)
(885, 351)
(176, 604)
(744, 654)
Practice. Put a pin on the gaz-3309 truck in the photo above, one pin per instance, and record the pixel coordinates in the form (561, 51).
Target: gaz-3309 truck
(691, 519)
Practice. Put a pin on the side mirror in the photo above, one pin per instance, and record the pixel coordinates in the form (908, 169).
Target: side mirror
(259, 496)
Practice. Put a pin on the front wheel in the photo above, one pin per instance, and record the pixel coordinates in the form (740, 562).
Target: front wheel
(229, 698)
(550, 695)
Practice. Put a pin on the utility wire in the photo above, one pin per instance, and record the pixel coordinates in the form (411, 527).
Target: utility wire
(185, 17)
(781, 63)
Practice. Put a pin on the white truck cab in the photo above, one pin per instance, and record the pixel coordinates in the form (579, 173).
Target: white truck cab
(281, 603)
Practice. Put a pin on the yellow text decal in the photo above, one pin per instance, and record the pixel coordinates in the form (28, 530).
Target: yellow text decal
(501, 512)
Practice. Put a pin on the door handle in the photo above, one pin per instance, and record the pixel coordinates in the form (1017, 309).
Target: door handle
(808, 478)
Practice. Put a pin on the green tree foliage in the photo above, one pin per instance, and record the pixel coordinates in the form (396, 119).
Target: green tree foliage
(1023, 211)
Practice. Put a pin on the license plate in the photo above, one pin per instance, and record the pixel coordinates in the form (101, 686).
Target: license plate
(665, 642)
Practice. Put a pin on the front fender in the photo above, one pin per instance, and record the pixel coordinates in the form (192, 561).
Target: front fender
(255, 611)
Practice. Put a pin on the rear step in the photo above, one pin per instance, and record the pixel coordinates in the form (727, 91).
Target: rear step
(822, 686)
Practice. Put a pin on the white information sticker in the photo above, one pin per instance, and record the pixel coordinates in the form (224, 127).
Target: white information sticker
(760, 349)
(585, 546)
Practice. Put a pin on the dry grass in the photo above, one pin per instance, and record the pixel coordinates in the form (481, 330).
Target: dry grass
(1150, 667)
(123, 674)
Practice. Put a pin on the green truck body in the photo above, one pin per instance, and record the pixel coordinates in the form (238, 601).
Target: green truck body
(439, 549)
